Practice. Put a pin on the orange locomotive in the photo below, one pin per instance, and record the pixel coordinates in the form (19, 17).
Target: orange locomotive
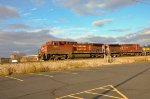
(125, 50)
(69, 49)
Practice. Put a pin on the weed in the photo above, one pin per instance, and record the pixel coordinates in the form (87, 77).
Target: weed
(32, 67)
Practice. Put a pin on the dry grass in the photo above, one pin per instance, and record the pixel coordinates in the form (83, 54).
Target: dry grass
(23, 68)
(48, 66)
(132, 59)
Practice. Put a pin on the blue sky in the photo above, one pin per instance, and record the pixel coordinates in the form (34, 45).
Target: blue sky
(68, 23)
(85, 20)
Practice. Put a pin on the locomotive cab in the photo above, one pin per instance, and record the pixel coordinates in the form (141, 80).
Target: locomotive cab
(53, 43)
(56, 50)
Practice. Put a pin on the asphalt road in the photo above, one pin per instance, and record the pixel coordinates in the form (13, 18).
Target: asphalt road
(128, 81)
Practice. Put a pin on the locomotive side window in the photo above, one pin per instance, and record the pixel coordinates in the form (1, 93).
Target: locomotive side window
(55, 43)
(49, 43)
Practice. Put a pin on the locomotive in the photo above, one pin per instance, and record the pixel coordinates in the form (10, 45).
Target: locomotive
(146, 49)
(53, 50)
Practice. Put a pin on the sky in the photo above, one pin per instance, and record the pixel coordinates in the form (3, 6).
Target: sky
(26, 24)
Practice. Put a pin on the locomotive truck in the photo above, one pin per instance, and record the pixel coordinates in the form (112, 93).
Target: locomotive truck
(54, 49)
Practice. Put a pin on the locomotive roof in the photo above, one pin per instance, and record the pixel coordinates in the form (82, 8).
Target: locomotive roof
(123, 44)
(60, 41)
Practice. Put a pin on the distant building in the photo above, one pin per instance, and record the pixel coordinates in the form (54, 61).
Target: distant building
(29, 58)
(17, 55)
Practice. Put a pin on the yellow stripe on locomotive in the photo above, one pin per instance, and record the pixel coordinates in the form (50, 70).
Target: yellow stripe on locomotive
(146, 49)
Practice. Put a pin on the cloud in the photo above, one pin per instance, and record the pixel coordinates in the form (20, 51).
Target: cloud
(29, 12)
(39, 2)
(33, 9)
(8, 12)
(25, 38)
(141, 37)
(97, 39)
(24, 41)
(120, 30)
(101, 22)
(35, 20)
(16, 27)
(11, 27)
(26, 14)
(93, 7)
(72, 32)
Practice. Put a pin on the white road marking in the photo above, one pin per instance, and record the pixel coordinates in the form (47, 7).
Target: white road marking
(14, 78)
(42, 75)
(75, 73)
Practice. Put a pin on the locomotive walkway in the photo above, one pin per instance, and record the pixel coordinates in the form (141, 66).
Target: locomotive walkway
(125, 81)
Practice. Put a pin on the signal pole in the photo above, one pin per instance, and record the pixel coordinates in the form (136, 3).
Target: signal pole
(107, 55)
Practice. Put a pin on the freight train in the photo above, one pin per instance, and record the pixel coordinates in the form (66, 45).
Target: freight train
(53, 50)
